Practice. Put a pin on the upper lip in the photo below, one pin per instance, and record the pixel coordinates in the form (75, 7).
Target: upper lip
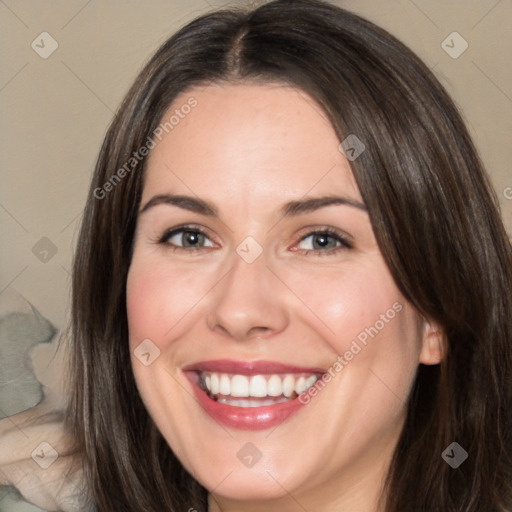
(248, 367)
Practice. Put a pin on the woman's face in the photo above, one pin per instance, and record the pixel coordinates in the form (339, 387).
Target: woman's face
(249, 280)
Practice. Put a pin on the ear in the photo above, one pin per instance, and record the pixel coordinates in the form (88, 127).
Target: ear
(432, 344)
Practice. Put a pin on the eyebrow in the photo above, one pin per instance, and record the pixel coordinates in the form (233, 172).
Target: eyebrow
(290, 209)
(192, 204)
(301, 206)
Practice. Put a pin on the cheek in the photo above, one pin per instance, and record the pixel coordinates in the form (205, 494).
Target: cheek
(352, 303)
(371, 331)
(158, 297)
(145, 309)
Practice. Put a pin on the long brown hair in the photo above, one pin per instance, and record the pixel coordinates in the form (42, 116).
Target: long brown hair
(434, 214)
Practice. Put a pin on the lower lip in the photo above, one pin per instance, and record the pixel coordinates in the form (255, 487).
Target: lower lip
(244, 418)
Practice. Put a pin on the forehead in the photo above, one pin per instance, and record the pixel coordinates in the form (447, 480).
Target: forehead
(248, 140)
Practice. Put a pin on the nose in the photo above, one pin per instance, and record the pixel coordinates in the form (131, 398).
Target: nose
(249, 302)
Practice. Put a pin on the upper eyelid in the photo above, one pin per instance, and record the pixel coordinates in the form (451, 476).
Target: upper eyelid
(332, 234)
(311, 230)
(186, 227)
(345, 241)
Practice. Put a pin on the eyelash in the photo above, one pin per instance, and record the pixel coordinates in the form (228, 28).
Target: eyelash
(343, 241)
(171, 232)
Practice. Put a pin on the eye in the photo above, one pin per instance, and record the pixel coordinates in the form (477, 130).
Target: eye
(323, 242)
(186, 238)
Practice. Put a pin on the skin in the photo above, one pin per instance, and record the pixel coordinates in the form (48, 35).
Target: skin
(247, 149)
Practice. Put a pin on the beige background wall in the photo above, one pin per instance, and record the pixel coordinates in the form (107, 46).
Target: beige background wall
(55, 111)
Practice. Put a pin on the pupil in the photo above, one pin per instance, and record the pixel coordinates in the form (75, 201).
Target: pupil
(322, 240)
(191, 238)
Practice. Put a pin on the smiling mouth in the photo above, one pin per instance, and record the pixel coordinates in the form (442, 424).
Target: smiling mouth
(258, 390)
(250, 395)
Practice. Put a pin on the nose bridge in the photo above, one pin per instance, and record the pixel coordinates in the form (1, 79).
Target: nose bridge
(249, 300)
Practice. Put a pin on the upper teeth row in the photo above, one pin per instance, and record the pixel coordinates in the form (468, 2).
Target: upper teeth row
(257, 385)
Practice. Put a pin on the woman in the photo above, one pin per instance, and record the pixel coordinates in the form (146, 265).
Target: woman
(259, 154)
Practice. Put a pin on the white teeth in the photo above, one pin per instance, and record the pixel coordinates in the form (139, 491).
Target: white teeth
(300, 385)
(244, 402)
(214, 384)
(289, 385)
(258, 386)
(310, 381)
(225, 385)
(274, 387)
(237, 386)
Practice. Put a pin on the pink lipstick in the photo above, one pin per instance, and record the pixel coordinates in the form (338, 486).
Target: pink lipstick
(250, 395)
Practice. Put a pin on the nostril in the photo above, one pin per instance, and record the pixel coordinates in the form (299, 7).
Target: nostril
(258, 332)
(243, 335)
